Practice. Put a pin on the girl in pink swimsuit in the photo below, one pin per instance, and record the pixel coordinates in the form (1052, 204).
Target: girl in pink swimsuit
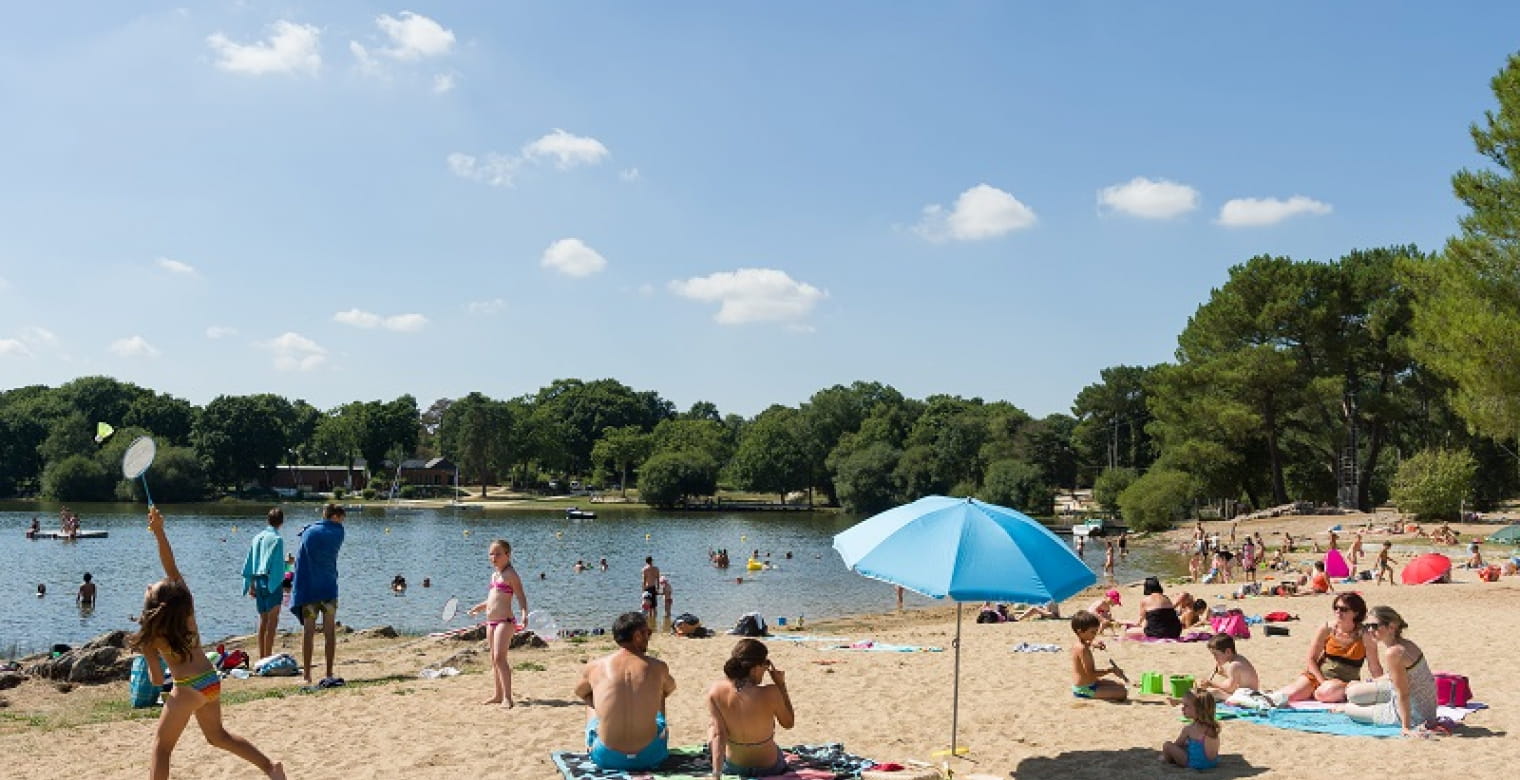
(500, 624)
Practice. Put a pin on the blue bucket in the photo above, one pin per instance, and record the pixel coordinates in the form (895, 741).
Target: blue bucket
(780, 621)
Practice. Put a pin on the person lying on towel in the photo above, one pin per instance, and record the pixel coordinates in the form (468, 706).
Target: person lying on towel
(625, 696)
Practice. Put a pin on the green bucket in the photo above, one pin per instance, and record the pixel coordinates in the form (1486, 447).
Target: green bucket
(1181, 685)
(1152, 682)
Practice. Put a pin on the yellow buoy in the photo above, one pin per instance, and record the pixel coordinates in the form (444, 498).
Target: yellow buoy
(754, 565)
(559, 534)
(467, 532)
(387, 530)
(744, 538)
(646, 537)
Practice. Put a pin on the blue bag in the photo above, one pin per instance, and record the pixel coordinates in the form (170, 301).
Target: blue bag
(143, 692)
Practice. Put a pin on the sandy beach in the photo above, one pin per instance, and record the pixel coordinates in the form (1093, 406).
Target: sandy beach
(1016, 713)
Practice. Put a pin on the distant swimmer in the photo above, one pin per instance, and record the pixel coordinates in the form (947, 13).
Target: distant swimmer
(398, 584)
(86, 595)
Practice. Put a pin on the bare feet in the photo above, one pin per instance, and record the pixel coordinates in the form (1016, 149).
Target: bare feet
(492, 701)
(277, 771)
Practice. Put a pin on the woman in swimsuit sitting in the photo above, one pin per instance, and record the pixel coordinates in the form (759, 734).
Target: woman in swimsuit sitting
(1406, 695)
(1336, 655)
(1158, 616)
(500, 624)
(745, 712)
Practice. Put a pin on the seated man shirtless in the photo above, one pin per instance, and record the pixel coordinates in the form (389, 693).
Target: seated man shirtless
(625, 695)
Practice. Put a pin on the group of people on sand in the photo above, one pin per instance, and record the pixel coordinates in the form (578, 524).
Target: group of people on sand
(1359, 660)
(625, 694)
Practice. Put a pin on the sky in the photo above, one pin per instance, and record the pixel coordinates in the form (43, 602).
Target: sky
(734, 203)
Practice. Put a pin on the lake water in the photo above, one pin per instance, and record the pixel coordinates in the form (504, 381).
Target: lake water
(210, 542)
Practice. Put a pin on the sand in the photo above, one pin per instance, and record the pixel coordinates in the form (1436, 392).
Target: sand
(1016, 712)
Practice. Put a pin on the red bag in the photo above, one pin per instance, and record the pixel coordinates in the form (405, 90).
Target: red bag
(234, 660)
(1489, 573)
(1278, 617)
(1452, 689)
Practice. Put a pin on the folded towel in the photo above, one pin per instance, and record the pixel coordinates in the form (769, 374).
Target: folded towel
(1034, 647)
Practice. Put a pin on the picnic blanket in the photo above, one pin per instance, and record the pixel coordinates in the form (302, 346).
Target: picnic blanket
(694, 762)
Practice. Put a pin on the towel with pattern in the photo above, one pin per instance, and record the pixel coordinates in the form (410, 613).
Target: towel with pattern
(694, 762)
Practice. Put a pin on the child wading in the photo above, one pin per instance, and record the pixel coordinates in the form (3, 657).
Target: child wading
(169, 632)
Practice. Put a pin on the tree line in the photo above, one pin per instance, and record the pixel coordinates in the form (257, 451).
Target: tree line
(1386, 373)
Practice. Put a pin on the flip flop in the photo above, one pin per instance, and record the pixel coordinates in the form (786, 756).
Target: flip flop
(331, 682)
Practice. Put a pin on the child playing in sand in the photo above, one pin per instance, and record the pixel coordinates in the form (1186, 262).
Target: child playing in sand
(1238, 672)
(1197, 747)
(169, 632)
(499, 621)
(1104, 609)
(1086, 678)
(1385, 564)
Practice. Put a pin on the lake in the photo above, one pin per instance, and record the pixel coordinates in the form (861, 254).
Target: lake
(448, 546)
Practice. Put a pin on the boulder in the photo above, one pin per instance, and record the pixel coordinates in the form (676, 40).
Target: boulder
(527, 639)
(10, 680)
(382, 632)
(473, 635)
(117, 639)
(102, 664)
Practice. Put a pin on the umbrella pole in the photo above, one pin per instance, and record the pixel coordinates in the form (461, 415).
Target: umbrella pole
(955, 695)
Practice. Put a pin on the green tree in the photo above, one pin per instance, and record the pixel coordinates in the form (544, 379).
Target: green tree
(667, 479)
(386, 427)
(26, 416)
(1433, 483)
(474, 434)
(1467, 318)
(775, 453)
(1111, 417)
(1020, 485)
(101, 398)
(78, 478)
(707, 436)
(835, 411)
(169, 419)
(1157, 499)
(1110, 485)
(864, 475)
(177, 476)
(582, 410)
(622, 447)
(243, 437)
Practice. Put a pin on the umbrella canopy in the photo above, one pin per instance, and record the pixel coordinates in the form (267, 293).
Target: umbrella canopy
(966, 550)
(1509, 534)
(1425, 569)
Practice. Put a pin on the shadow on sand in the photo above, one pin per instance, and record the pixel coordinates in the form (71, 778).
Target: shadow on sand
(1128, 763)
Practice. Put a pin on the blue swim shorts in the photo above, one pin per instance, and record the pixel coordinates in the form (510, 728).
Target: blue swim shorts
(650, 757)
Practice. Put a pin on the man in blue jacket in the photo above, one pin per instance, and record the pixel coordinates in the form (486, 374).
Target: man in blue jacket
(315, 588)
(263, 574)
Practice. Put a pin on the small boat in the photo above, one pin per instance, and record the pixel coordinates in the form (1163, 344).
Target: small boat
(1090, 527)
(576, 513)
(464, 507)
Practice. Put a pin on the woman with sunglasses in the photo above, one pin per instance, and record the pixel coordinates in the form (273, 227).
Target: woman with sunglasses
(1336, 656)
(745, 712)
(1406, 695)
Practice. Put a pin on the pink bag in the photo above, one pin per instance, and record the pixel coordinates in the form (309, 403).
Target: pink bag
(1232, 624)
(1452, 689)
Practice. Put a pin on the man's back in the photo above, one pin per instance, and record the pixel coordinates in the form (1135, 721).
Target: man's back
(627, 690)
(651, 576)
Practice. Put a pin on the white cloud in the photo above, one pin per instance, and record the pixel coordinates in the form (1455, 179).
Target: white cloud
(220, 332)
(571, 257)
(981, 212)
(496, 170)
(38, 336)
(357, 318)
(133, 347)
(629, 174)
(414, 36)
(175, 266)
(443, 82)
(13, 348)
(291, 48)
(1256, 212)
(1148, 199)
(493, 306)
(368, 65)
(405, 323)
(752, 295)
(294, 352)
(567, 149)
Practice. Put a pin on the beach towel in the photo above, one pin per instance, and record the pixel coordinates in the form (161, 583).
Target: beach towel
(1316, 717)
(1035, 647)
(265, 565)
(1194, 636)
(694, 762)
(872, 646)
(316, 577)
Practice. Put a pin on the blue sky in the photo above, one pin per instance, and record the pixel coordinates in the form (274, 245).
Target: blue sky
(734, 203)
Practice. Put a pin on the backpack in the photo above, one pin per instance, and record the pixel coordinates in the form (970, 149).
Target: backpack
(234, 660)
(142, 691)
(277, 665)
(752, 624)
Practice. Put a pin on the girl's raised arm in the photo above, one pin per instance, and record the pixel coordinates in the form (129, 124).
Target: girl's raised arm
(165, 552)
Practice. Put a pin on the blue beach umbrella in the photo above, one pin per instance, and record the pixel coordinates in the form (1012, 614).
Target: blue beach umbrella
(966, 550)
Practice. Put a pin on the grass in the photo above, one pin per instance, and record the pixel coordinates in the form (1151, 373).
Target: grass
(529, 666)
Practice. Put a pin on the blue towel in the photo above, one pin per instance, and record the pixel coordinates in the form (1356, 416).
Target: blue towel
(1315, 721)
(316, 576)
(265, 564)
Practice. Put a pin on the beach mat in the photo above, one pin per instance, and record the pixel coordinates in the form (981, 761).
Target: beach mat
(693, 762)
(1317, 718)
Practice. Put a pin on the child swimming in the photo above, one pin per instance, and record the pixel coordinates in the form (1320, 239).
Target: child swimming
(169, 632)
(500, 624)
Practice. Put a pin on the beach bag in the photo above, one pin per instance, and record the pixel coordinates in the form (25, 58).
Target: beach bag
(143, 692)
(752, 624)
(1232, 624)
(1452, 689)
(278, 665)
(1278, 617)
(234, 660)
(1489, 573)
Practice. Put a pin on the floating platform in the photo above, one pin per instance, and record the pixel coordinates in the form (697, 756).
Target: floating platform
(84, 534)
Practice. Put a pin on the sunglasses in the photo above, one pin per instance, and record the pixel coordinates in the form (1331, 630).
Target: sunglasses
(1372, 626)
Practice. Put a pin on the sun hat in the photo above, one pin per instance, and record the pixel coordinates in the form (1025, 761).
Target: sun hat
(1113, 595)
